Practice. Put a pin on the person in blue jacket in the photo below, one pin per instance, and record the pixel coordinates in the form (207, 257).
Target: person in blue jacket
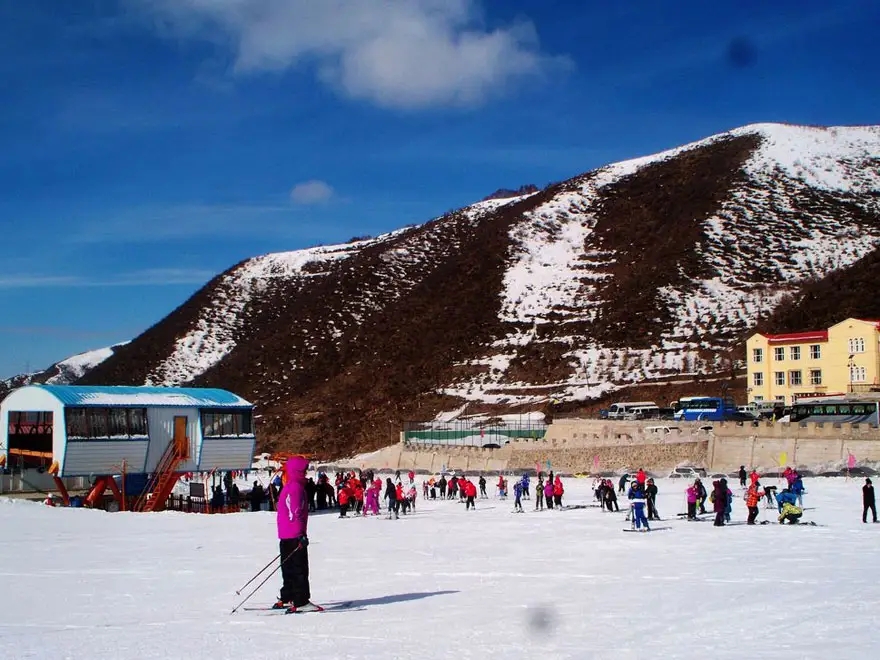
(638, 500)
(525, 486)
(797, 487)
(785, 496)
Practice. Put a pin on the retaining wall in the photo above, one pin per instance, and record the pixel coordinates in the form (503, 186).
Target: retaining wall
(574, 445)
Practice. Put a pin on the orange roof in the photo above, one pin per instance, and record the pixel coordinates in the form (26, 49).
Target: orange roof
(797, 337)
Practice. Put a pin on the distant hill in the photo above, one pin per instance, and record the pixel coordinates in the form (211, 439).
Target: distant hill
(64, 372)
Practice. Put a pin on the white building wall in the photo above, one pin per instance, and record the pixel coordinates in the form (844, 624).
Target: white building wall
(227, 454)
(99, 457)
(34, 399)
(160, 422)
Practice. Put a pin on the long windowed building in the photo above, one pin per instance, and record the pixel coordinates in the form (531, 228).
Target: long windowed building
(842, 359)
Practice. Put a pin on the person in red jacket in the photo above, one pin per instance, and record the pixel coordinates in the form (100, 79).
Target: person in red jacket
(344, 498)
(558, 492)
(641, 477)
(470, 491)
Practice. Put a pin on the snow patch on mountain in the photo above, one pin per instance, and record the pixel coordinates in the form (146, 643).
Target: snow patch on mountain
(75, 367)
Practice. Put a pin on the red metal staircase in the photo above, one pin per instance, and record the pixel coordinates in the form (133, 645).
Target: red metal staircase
(161, 482)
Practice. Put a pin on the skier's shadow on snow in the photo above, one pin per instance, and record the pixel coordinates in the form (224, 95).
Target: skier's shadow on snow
(398, 598)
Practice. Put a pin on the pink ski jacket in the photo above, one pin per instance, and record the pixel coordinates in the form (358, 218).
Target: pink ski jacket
(293, 506)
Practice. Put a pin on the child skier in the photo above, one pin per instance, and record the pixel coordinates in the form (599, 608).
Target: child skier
(638, 501)
(539, 493)
(292, 520)
(791, 513)
(753, 496)
(691, 494)
(651, 498)
(517, 496)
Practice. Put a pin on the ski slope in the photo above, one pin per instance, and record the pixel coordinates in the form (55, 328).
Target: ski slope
(446, 583)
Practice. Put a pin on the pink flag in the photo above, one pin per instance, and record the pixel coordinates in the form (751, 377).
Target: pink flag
(850, 461)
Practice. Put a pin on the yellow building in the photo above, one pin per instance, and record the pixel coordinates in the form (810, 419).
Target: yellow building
(844, 358)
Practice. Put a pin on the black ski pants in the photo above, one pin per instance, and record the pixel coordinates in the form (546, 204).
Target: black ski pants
(753, 515)
(294, 572)
(652, 510)
(873, 510)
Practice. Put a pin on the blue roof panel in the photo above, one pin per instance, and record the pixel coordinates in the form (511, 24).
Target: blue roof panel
(145, 396)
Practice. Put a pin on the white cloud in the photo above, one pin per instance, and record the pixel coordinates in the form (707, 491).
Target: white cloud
(311, 192)
(146, 277)
(395, 53)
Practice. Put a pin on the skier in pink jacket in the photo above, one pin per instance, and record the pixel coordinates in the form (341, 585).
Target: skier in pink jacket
(292, 519)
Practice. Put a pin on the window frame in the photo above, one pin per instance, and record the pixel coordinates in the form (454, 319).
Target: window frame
(779, 353)
(815, 376)
(815, 351)
(757, 355)
(795, 378)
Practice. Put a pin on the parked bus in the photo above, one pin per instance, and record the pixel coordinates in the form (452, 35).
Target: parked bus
(837, 410)
(708, 408)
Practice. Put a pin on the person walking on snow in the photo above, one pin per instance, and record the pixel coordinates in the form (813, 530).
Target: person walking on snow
(868, 501)
(742, 476)
(539, 493)
(621, 484)
(292, 519)
(482, 483)
(470, 492)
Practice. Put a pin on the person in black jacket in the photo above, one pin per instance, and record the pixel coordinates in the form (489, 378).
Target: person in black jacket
(391, 496)
(868, 501)
(651, 496)
(257, 496)
(701, 495)
(742, 476)
(719, 501)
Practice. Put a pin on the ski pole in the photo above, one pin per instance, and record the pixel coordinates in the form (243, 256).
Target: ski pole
(242, 587)
(265, 580)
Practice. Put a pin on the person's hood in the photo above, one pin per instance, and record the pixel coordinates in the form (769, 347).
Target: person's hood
(296, 467)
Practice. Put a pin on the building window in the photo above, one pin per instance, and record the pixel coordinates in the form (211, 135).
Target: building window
(779, 377)
(856, 345)
(105, 423)
(794, 378)
(781, 398)
(226, 423)
(815, 376)
(858, 374)
(758, 379)
(757, 355)
(779, 353)
(815, 351)
(757, 399)
(795, 353)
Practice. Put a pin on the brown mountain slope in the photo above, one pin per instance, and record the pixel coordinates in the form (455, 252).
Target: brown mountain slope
(643, 271)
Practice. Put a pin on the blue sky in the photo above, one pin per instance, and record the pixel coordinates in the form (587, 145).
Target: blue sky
(150, 144)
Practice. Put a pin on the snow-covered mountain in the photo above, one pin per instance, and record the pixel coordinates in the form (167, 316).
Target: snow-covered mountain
(64, 372)
(652, 268)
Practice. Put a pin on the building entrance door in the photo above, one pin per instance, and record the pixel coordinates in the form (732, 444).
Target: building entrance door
(181, 442)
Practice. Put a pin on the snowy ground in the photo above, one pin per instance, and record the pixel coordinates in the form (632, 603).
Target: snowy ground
(446, 584)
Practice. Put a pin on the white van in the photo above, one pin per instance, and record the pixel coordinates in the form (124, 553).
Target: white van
(626, 409)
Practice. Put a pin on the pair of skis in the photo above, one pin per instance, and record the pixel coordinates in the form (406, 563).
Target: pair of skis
(333, 607)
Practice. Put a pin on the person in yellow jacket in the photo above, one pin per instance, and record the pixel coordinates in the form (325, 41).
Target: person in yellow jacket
(791, 513)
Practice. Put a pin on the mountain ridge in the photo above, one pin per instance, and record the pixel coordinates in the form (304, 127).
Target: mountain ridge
(646, 270)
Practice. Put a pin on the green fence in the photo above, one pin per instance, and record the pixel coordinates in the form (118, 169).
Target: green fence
(471, 434)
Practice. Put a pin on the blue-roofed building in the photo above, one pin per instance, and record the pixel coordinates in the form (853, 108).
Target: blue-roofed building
(75, 430)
